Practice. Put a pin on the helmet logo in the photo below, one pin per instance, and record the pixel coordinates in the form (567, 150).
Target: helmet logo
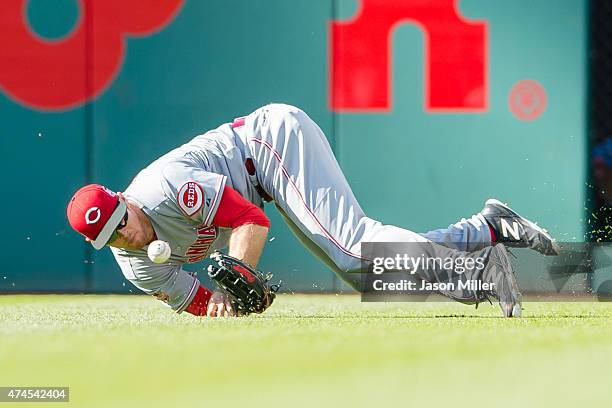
(88, 219)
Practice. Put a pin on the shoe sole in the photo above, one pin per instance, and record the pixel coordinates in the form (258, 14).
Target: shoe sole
(555, 246)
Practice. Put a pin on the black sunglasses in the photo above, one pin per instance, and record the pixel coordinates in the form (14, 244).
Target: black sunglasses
(122, 224)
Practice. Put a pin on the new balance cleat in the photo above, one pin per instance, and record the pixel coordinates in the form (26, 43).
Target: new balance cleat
(515, 231)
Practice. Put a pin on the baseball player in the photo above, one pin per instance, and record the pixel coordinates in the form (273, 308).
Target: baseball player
(208, 194)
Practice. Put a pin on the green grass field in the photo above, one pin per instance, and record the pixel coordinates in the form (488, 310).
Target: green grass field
(307, 350)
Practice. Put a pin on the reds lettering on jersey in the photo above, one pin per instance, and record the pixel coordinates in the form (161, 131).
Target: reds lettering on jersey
(198, 250)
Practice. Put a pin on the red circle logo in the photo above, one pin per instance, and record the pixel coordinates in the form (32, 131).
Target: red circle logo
(527, 99)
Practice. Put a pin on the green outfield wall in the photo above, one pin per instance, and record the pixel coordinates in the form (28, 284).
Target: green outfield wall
(431, 108)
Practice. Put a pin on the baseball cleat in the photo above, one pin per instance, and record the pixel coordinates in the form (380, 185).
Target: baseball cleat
(499, 271)
(515, 231)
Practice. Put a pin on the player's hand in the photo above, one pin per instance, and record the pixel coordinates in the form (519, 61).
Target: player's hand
(220, 305)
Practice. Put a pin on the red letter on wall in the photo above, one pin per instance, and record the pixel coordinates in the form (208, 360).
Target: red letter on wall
(455, 56)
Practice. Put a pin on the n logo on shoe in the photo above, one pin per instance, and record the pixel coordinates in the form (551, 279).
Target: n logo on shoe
(512, 229)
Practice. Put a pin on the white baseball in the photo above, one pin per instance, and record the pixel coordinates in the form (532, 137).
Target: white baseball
(159, 251)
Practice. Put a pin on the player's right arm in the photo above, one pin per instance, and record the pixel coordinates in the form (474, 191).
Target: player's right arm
(249, 226)
(173, 286)
(218, 204)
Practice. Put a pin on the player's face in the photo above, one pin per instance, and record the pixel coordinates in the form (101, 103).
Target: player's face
(135, 233)
(135, 230)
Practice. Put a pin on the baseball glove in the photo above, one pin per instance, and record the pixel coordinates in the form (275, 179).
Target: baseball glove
(247, 286)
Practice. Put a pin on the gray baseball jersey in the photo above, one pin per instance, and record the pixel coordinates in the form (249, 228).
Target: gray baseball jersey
(180, 193)
(295, 165)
